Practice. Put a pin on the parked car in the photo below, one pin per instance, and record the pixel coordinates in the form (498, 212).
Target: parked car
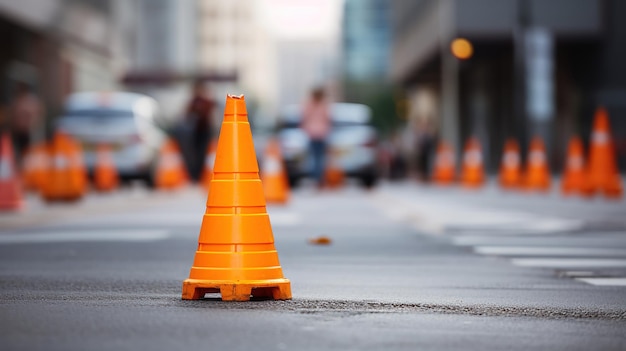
(351, 143)
(125, 121)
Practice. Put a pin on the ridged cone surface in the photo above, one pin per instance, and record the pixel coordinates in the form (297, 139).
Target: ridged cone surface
(275, 184)
(67, 175)
(170, 172)
(236, 250)
(444, 171)
(35, 167)
(574, 178)
(10, 188)
(510, 175)
(602, 173)
(537, 170)
(472, 173)
(105, 174)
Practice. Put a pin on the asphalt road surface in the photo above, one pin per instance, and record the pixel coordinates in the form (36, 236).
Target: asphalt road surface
(410, 267)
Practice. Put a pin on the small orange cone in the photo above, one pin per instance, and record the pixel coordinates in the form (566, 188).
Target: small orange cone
(35, 168)
(209, 161)
(105, 173)
(333, 174)
(170, 171)
(275, 184)
(511, 169)
(67, 180)
(574, 175)
(444, 171)
(236, 256)
(472, 172)
(602, 174)
(10, 188)
(537, 172)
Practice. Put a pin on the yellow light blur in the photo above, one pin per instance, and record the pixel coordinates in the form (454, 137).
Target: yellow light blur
(461, 48)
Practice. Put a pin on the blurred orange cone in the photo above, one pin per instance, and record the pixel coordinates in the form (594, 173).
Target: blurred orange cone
(510, 170)
(105, 173)
(236, 256)
(36, 164)
(333, 174)
(10, 190)
(170, 170)
(275, 184)
(537, 172)
(602, 174)
(574, 175)
(67, 178)
(444, 171)
(209, 161)
(472, 172)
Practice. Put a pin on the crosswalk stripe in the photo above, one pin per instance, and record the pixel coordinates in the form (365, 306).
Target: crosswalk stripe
(86, 235)
(548, 251)
(604, 281)
(569, 262)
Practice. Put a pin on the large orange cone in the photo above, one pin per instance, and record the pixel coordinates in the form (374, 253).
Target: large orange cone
(333, 174)
(275, 184)
(511, 169)
(537, 172)
(105, 173)
(35, 167)
(444, 171)
(209, 161)
(10, 190)
(67, 178)
(602, 174)
(574, 175)
(170, 170)
(472, 172)
(236, 256)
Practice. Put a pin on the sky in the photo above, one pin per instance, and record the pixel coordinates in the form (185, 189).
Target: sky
(302, 19)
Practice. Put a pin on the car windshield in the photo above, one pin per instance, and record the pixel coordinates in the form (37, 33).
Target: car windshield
(341, 114)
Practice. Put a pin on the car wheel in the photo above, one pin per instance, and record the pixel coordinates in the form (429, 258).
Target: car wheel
(368, 180)
(294, 181)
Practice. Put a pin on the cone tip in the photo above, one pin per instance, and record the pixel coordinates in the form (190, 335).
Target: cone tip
(235, 105)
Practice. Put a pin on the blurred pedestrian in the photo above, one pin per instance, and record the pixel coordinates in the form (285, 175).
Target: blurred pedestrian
(200, 117)
(316, 123)
(425, 144)
(25, 116)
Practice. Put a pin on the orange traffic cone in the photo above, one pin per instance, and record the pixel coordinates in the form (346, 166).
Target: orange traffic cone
(510, 170)
(105, 174)
(10, 190)
(445, 169)
(333, 174)
(275, 184)
(35, 167)
(209, 161)
(472, 172)
(574, 175)
(537, 172)
(602, 173)
(67, 180)
(170, 171)
(236, 256)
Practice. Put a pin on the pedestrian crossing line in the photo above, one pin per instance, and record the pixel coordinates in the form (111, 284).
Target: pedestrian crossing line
(569, 262)
(604, 281)
(84, 235)
(549, 251)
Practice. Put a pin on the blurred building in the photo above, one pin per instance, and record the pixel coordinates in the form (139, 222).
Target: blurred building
(537, 68)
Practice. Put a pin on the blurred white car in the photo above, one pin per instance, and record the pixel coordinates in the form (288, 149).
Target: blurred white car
(352, 143)
(125, 121)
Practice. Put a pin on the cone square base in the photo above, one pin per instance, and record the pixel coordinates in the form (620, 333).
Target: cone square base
(276, 289)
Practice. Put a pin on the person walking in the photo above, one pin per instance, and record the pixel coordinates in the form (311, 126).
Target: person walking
(199, 114)
(25, 113)
(316, 123)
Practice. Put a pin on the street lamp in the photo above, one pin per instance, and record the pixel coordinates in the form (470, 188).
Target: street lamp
(461, 48)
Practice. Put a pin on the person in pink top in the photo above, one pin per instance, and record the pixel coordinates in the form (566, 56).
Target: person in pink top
(316, 123)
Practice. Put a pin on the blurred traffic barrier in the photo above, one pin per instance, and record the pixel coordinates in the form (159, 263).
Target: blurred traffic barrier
(444, 171)
(603, 175)
(573, 180)
(36, 164)
(10, 188)
(67, 175)
(334, 176)
(236, 256)
(472, 172)
(510, 176)
(537, 175)
(105, 173)
(273, 174)
(209, 161)
(170, 170)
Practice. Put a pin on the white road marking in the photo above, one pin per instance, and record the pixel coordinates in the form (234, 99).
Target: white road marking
(604, 281)
(548, 251)
(284, 219)
(86, 235)
(569, 262)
